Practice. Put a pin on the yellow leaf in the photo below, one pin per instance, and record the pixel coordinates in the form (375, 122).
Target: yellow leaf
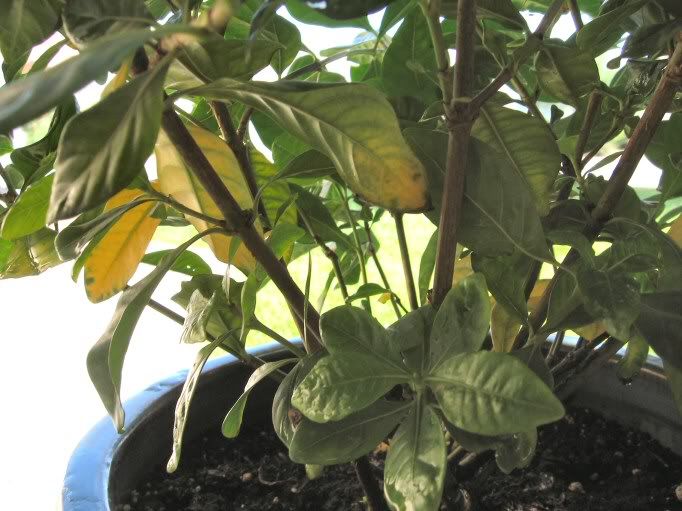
(119, 79)
(503, 329)
(463, 269)
(118, 254)
(178, 182)
(536, 294)
(675, 231)
(591, 331)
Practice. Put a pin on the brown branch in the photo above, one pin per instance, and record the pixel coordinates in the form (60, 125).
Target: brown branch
(634, 150)
(241, 152)
(459, 127)
(523, 53)
(405, 257)
(593, 106)
(575, 14)
(375, 499)
(238, 220)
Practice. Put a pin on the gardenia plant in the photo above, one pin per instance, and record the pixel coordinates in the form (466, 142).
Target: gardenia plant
(537, 245)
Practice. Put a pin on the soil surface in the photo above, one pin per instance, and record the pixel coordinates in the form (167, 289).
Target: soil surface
(583, 463)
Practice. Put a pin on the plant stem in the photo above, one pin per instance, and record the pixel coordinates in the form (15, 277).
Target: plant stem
(227, 129)
(230, 209)
(11, 194)
(593, 106)
(280, 339)
(611, 133)
(329, 253)
(575, 14)
(634, 150)
(395, 301)
(530, 102)
(244, 123)
(358, 245)
(375, 499)
(188, 211)
(405, 256)
(598, 359)
(459, 127)
(321, 64)
(524, 52)
(431, 10)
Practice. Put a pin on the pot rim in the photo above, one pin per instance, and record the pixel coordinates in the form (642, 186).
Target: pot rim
(94, 453)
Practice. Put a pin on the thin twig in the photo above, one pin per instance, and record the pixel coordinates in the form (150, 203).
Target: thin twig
(575, 14)
(440, 48)
(375, 499)
(321, 64)
(329, 253)
(244, 123)
(520, 55)
(395, 300)
(241, 152)
(405, 257)
(593, 106)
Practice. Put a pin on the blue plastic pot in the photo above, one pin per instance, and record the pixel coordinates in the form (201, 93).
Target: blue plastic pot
(106, 466)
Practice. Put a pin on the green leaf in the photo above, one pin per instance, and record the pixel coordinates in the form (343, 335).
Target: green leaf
(576, 240)
(566, 73)
(188, 262)
(352, 124)
(462, 320)
(393, 14)
(407, 335)
(233, 420)
(302, 12)
(506, 276)
(649, 40)
(311, 164)
(526, 143)
(350, 330)
(494, 221)
(105, 147)
(345, 440)
(23, 25)
(85, 20)
(33, 161)
(426, 267)
(493, 394)
(612, 297)
(500, 10)
(27, 215)
(410, 63)
(516, 451)
(660, 324)
(604, 31)
(664, 144)
(285, 33)
(214, 57)
(184, 401)
(320, 219)
(367, 291)
(105, 359)
(199, 311)
(277, 193)
(28, 256)
(341, 384)
(226, 316)
(416, 464)
(636, 353)
(348, 9)
(28, 98)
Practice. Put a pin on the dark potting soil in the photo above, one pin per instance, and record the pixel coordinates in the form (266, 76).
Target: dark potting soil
(583, 463)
